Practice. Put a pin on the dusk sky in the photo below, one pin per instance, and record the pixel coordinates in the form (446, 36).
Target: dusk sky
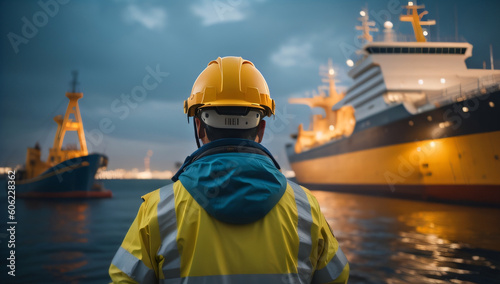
(115, 44)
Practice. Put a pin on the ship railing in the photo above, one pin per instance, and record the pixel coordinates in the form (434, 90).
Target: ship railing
(399, 37)
(466, 90)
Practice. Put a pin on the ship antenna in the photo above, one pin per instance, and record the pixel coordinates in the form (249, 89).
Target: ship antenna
(328, 76)
(491, 57)
(74, 83)
(367, 26)
(456, 23)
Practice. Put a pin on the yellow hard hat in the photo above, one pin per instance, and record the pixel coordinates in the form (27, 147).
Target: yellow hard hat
(230, 82)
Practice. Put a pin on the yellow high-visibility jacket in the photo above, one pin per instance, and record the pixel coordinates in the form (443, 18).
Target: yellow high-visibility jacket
(230, 217)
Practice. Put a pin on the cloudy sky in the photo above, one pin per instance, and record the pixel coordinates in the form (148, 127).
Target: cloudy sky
(120, 46)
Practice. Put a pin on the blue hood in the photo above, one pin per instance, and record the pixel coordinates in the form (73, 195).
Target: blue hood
(239, 182)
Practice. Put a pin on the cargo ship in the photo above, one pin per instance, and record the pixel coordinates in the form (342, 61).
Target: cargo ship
(69, 171)
(415, 123)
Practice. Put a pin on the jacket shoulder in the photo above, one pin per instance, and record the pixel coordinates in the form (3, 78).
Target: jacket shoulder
(151, 195)
(155, 196)
(311, 198)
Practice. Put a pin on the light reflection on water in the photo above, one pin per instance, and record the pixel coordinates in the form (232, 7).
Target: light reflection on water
(61, 232)
(386, 240)
(401, 241)
(64, 241)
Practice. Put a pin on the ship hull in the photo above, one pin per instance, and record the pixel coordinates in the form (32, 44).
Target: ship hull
(443, 154)
(73, 178)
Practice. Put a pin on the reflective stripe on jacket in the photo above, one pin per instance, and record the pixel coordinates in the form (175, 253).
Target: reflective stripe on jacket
(230, 218)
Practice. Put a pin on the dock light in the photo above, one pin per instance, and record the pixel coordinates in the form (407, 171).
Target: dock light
(331, 71)
(332, 127)
(426, 33)
(443, 80)
(410, 3)
(465, 109)
(388, 25)
(362, 13)
(349, 62)
(420, 81)
(492, 104)
(433, 144)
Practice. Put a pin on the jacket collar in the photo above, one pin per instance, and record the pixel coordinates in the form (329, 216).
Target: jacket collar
(227, 145)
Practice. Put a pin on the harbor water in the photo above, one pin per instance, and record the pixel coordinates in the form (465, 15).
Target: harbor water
(385, 240)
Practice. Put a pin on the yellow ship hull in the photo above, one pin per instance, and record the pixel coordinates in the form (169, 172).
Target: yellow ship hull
(460, 168)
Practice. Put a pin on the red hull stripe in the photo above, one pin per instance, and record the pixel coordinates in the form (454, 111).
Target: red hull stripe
(67, 194)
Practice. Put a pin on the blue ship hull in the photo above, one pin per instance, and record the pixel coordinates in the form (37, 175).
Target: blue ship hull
(73, 178)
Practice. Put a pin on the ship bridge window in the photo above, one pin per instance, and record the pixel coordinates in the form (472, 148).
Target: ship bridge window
(424, 50)
(458, 50)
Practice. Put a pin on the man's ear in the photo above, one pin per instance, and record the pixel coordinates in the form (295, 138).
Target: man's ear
(201, 130)
(260, 132)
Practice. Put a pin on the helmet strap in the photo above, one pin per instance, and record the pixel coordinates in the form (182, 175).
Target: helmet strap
(196, 135)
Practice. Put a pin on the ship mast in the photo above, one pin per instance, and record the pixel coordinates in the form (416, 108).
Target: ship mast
(56, 153)
(414, 17)
(366, 26)
(322, 101)
(334, 123)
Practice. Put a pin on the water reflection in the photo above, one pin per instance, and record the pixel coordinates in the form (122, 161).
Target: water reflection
(401, 241)
(62, 228)
(62, 264)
